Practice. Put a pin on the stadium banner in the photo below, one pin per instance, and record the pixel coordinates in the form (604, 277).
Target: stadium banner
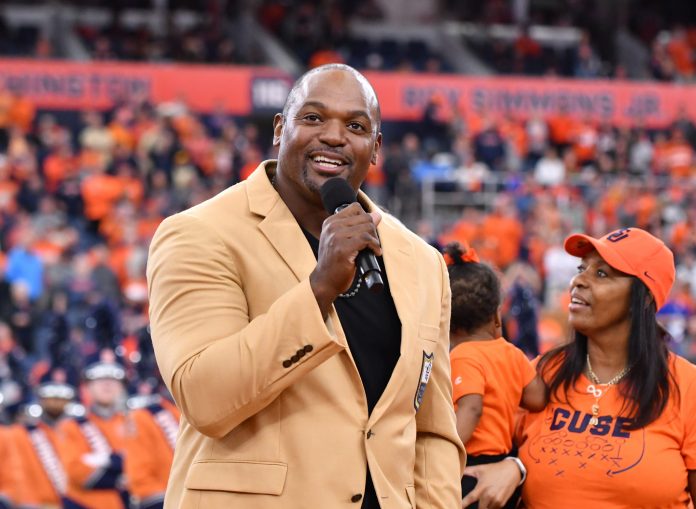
(54, 84)
(405, 96)
(242, 90)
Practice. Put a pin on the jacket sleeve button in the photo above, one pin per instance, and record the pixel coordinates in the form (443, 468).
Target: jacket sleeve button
(356, 498)
(301, 352)
(295, 358)
(287, 363)
(308, 348)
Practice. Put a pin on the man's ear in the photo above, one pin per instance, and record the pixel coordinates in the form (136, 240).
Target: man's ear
(278, 122)
(375, 149)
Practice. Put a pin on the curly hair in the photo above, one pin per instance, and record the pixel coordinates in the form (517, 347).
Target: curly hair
(475, 291)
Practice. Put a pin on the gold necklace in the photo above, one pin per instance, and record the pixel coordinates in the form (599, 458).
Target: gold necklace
(597, 392)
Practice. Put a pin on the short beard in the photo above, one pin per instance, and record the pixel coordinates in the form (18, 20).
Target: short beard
(311, 186)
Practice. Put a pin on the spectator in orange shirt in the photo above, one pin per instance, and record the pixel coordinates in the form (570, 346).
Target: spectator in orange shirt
(485, 402)
(58, 166)
(22, 112)
(679, 156)
(585, 142)
(465, 231)
(501, 234)
(153, 424)
(11, 479)
(561, 129)
(100, 191)
(8, 188)
(92, 446)
(684, 233)
(43, 473)
(121, 128)
(678, 48)
(10, 472)
(5, 121)
(646, 209)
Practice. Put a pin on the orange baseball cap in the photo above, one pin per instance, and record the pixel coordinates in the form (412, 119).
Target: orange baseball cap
(635, 252)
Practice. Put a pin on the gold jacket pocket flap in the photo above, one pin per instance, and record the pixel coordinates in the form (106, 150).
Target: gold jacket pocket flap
(428, 332)
(237, 476)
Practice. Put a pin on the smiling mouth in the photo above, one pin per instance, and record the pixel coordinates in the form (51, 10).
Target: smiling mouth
(327, 163)
(575, 302)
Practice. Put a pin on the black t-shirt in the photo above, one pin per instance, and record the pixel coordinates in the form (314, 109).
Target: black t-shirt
(373, 331)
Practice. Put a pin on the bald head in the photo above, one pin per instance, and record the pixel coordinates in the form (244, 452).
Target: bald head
(368, 91)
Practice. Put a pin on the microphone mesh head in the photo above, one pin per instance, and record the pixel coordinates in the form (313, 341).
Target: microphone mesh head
(336, 192)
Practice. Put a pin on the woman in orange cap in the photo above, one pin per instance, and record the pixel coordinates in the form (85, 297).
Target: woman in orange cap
(620, 427)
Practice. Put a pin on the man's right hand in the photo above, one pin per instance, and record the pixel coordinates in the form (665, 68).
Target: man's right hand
(343, 236)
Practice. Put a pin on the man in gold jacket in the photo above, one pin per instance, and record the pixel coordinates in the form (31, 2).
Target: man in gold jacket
(300, 388)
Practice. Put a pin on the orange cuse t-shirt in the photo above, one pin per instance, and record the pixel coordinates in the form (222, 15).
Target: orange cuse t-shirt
(571, 464)
(498, 371)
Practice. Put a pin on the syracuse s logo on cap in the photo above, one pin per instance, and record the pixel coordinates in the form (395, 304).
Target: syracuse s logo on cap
(618, 235)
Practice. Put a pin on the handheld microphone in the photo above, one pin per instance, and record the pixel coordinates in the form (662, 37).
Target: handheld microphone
(336, 194)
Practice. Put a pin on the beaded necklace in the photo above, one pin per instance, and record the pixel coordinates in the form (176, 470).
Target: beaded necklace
(353, 290)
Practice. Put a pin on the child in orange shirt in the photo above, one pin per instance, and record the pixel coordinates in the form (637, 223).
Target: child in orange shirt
(491, 377)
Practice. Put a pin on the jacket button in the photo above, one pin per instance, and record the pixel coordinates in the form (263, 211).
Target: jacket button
(301, 352)
(287, 363)
(356, 498)
(295, 358)
(307, 349)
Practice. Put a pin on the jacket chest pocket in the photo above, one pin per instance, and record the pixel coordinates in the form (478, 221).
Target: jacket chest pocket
(429, 334)
(237, 476)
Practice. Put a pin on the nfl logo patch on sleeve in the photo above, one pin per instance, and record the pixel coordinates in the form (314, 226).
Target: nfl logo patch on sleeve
(426, 369)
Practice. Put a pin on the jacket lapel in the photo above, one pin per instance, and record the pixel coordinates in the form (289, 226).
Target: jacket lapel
(401, 270)
(285, 235)
(278, 224)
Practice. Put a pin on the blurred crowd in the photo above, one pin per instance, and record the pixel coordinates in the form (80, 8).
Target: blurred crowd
(79, 202)
(524, 55)
(541, 178)
(81, 196)
(22, 41)
(317, 32)
(209, 40)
